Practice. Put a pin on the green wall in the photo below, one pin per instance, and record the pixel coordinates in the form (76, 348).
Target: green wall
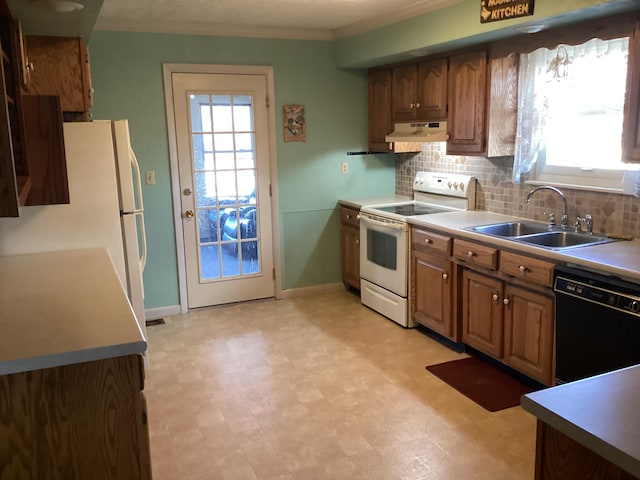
(128, 83)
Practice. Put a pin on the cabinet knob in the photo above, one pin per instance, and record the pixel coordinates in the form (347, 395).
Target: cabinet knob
(445, 276)
(428, 241)
(357, 241)
(417, 105)
(495, 297)
(348, 217)
(471, 254)
(505, 301)
(358, 217)
(412, 105)
(523, 269)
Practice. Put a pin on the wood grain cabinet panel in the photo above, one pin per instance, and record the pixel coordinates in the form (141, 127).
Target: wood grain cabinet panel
(559, 457)
(631, 126)
(482, 312)
(432, 90)
(61, 67)
(350, 243)
(380, 121)
(467, 100)
(528, 333)
(405, 93)
(75, 422)
(433, 283)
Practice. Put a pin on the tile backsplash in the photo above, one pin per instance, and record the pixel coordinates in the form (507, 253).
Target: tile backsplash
(613, 214)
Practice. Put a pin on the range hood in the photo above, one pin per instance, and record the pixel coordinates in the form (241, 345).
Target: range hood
(420, 132)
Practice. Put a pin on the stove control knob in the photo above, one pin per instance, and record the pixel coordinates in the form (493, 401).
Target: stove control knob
(449, 184)
(635, 306)
(455, 185)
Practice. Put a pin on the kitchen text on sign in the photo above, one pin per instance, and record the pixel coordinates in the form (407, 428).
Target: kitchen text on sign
(494, 10)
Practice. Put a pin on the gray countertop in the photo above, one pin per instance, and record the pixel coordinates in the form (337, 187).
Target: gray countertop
(600, 413)
(369, 201)
(620, 258)
(61, 308)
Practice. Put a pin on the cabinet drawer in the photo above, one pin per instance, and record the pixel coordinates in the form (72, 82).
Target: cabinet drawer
(475, 254)
(431, 241)
(528, 268)
(350, 216)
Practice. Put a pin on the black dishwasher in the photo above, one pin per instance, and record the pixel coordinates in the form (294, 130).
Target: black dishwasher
(597, 323)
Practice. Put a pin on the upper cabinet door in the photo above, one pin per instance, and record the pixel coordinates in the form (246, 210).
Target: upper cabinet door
(405, 93)
(631, 126)
(432, 90)
(467, 102)
(380, 123)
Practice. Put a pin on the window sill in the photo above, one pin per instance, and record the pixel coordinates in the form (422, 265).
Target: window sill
(587, 188)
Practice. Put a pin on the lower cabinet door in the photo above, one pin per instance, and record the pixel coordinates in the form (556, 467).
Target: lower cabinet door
(528, 333)
(351, 255)
(482, 302)
(432, 297)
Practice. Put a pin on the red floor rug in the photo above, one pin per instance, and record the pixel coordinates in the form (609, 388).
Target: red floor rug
(488, 386)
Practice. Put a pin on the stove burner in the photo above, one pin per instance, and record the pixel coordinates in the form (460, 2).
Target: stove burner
(411, 210)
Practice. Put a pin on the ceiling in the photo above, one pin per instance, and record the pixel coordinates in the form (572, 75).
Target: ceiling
(292, 19)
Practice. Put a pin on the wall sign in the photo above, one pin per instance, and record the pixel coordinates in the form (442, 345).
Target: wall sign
(495, 10)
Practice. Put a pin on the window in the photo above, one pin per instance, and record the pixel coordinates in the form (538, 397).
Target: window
(570, 114)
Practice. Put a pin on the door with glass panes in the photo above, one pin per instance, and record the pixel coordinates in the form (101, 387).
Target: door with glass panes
(223, 158)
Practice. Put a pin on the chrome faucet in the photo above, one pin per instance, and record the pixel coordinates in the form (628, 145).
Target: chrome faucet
(564, 223)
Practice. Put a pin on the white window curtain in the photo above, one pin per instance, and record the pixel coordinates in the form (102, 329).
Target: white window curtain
(545, 80)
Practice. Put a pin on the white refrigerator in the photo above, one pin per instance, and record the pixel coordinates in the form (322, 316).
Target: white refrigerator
(105, 208)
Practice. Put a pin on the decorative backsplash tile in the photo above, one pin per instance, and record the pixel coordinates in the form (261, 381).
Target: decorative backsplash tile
(612, 213)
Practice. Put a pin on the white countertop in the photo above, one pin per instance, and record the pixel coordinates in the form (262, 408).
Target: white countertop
(600, 413)
(61, 308)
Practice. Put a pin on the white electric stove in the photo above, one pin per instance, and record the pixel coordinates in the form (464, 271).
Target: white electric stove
(384, 239)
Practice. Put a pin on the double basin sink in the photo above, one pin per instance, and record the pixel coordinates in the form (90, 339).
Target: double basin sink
(539, 234)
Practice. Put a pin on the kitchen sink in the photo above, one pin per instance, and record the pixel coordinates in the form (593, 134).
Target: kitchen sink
(511, 229)
(562, 239)
(540, 234)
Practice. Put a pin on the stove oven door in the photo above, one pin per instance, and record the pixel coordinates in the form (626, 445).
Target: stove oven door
(384, 253)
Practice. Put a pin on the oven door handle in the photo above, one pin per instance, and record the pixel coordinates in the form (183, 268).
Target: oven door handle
(395, 226)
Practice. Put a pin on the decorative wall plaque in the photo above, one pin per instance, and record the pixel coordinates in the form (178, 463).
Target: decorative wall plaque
(295, 128)
(496, 10)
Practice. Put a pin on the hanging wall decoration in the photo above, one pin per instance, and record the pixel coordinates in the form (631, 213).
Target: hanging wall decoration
(495, 10)
(295, 128)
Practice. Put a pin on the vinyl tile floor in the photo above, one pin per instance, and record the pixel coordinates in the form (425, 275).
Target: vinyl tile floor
(313, 388)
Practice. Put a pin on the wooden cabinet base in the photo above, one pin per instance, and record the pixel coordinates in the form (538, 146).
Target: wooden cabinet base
(558, 457)
(82, 421)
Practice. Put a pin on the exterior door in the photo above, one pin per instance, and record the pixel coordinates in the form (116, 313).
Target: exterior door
(223, 161)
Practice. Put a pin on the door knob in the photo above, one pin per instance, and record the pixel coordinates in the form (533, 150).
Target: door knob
(188, 214)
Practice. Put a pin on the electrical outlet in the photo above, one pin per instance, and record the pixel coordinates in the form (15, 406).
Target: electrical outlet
(344, 168)
(150, 177)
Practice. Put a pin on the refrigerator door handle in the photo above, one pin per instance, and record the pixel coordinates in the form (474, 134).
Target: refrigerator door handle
(143, 234)
(140, 207)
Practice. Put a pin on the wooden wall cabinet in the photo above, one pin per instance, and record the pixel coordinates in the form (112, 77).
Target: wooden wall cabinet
(86, 420)
(631, 125)
(33, 161)
(380, 122)
(433, 283)
(467, 103)
(350, 243)
(507, 310)
(14, 169)
(420, 91)
(60, 66)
